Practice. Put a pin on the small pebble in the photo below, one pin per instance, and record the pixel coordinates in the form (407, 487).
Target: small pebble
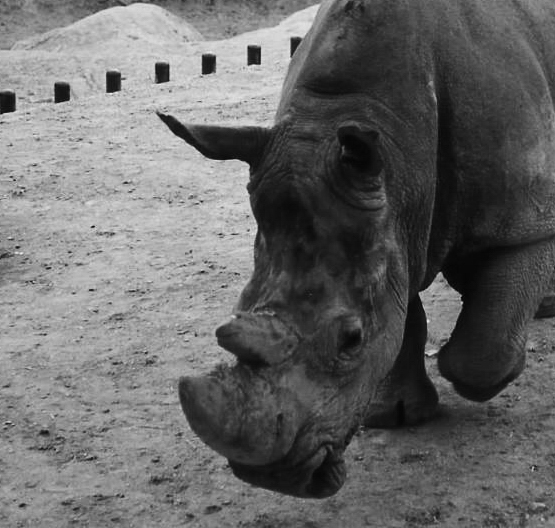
(537, 507)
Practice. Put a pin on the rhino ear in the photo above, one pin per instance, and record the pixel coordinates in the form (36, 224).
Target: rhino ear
(221, 143)
(360, 149)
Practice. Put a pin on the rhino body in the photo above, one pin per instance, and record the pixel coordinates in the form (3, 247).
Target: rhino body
(412, 138)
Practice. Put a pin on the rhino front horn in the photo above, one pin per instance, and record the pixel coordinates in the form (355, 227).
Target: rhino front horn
(242, 420)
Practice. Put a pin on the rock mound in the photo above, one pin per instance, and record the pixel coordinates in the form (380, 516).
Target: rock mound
(137, 25)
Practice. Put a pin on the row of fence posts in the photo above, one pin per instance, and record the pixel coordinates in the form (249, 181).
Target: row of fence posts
(62, 89)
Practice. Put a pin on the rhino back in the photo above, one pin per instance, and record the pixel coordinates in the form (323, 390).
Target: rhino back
(496, 124)
(464, 88)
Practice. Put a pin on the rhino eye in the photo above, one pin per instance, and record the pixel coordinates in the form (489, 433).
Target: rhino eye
(350, 339)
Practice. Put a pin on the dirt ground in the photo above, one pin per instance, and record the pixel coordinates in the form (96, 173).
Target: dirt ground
(121, 249)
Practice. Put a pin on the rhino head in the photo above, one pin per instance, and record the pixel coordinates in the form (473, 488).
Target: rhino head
(320, 322)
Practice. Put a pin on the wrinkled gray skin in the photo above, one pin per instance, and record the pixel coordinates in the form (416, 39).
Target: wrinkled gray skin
(412, 137)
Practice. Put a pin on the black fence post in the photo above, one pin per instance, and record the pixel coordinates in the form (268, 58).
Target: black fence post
(162, 72)
(294, 44)
(62, 92)
(254, 54)
(208, 63)
(7, 101)
(113, 81)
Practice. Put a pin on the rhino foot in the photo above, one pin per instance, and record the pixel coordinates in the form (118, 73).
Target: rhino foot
(483, 383)
(406, 396)
(547, 307)
(396, 405)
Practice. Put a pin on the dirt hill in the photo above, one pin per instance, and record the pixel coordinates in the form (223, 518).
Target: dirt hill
(213, 18)
(135, 26)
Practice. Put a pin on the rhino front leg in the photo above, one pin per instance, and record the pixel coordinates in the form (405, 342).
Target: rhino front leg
(406, 396)
(500, 294)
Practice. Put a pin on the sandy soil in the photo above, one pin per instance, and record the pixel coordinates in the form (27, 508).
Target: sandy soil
(120, 251)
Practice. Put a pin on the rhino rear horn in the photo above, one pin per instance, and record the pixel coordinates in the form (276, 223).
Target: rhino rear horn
(221, 143)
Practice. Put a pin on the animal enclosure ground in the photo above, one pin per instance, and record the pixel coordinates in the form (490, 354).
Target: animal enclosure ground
(121, 249)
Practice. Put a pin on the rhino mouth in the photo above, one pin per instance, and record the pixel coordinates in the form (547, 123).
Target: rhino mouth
(318, 476)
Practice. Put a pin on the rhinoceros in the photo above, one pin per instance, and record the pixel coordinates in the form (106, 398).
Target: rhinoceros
(411, 138)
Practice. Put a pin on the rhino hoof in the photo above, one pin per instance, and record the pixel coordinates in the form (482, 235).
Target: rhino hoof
(547, 307)
(389, 414)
